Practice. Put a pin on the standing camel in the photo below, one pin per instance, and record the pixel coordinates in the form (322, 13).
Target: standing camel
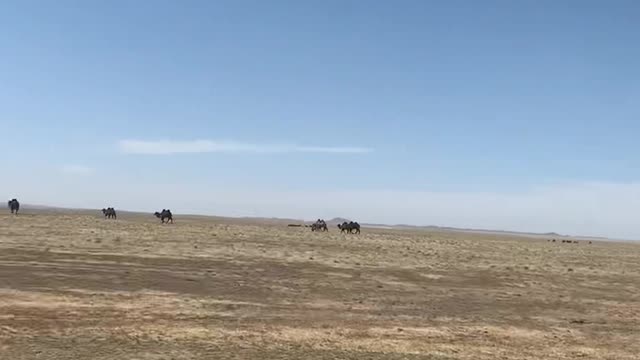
(165, 216)
(14, 206)
(109, 213)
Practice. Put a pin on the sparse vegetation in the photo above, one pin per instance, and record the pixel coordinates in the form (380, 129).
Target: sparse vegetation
(217, 289)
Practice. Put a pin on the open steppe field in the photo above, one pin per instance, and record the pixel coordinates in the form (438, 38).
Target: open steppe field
(77, 286)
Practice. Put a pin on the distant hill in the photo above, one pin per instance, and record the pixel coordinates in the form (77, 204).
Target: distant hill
(337, 220)
(553, 234)
(496, 232)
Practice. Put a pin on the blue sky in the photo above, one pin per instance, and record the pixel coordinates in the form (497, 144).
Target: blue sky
(513, 114)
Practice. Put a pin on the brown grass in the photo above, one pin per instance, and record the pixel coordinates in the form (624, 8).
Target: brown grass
(76, 286)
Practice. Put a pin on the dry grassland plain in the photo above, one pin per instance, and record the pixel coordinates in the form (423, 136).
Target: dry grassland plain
(77, 286)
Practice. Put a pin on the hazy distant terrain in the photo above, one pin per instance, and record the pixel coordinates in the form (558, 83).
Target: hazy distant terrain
(76, 286)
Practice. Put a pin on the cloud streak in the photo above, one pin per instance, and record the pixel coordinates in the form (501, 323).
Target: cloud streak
(168, 147)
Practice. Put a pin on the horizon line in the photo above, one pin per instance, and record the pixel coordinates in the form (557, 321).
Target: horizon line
(366, 224)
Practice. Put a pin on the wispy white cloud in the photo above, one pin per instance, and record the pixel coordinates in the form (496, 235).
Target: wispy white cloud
(165, 147)
(73, 169)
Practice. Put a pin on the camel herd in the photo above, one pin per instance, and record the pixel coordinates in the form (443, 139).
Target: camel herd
(166, 217)
(346, 227)
(566, 241)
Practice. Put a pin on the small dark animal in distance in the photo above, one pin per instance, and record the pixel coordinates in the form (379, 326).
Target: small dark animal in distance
(319, 225)
(14, 206)
(349, 227)
(165, 216)
(109, 213)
